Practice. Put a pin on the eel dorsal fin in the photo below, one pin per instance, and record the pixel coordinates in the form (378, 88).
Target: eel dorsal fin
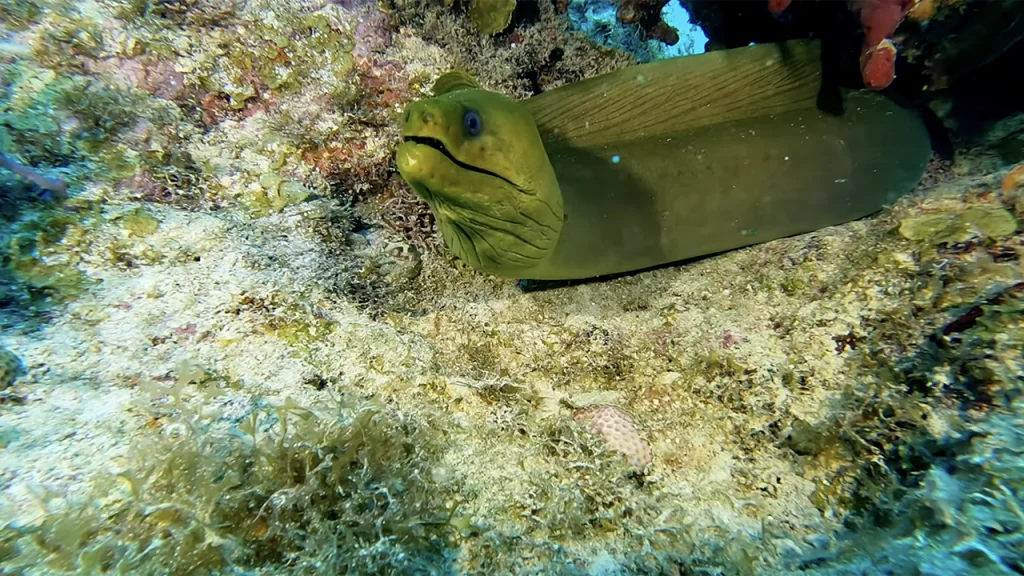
(674, 95)
(454, 80)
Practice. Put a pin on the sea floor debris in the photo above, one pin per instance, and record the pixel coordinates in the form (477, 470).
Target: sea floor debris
(216, 361)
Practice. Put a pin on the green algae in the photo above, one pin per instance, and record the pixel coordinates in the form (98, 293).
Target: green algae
(343, 486)
(108, 127)
(792, 285)
(301, 333)
(68, 35)
(139, 222)
(10, 368)
(281, 316)
(20, 14)
(953, 500)
(72, 121)
(42, 255)
(984, 222)
(275, 194)
(491, 16)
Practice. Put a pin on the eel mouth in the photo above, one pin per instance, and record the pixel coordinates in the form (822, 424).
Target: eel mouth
(440, 147)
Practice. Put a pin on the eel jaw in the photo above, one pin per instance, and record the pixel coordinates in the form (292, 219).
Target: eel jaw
(440, 147)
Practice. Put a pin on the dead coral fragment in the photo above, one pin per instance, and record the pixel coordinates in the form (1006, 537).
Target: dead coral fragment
(616, 427)
(276, 193)
(139, 222)
(44, 251)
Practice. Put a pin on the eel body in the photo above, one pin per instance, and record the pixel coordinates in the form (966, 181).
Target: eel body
(655, 164)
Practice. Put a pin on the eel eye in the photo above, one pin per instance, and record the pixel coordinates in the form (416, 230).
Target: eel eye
(471, 120)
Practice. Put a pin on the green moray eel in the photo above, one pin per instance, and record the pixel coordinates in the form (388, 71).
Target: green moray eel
(653, 164)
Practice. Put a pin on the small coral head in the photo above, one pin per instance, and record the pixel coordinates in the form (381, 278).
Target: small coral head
(616, 428)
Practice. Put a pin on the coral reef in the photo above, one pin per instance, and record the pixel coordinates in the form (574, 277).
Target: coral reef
(597, 19)
(647, 15)
(540, 54)
(741, 22)
(242, 352)
(949, 40)
(957, 506)
(1013, 180)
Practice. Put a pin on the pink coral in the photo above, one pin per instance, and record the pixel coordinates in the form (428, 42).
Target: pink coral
(878, 65)
(880, 18)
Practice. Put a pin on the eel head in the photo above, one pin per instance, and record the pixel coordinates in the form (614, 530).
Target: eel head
(477, 159)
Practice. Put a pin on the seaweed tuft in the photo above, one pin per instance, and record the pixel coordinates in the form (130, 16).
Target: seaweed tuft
(341, 487)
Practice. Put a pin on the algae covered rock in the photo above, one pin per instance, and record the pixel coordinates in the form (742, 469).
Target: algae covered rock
(991, 222)
(276, 193)
(140, 222)
(983, 222)
(9, 367)
(491, 16)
